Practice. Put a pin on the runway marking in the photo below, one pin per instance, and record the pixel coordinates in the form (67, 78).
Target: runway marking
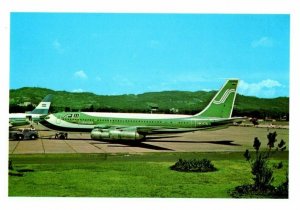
(43, 145)
(70, 146)
(98, 148)
(15, 147)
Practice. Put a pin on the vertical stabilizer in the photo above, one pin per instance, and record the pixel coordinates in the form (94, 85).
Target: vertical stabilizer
(221, 105)
(43, 106)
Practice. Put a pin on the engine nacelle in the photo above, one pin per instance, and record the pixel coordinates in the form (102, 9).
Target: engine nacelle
(108, 134)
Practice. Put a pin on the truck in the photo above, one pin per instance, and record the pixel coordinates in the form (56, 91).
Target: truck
(25, 133)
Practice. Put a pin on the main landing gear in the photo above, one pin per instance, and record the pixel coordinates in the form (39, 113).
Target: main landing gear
(61, 135)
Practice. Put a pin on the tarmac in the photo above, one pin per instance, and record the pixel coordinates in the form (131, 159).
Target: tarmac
(233, 138)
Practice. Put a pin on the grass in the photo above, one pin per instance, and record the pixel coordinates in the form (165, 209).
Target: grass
(123, 175)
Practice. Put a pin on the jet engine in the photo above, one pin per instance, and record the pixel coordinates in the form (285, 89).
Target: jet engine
(114, 134)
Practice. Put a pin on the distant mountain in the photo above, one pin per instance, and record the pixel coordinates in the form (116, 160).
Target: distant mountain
(184, 102)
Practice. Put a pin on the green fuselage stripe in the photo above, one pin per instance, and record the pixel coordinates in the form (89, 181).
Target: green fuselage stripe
(190, 122)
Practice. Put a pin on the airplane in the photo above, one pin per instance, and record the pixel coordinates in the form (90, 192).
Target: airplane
(133, 126)
(36, 115)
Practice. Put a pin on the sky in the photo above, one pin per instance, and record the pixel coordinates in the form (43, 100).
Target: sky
(119, 53)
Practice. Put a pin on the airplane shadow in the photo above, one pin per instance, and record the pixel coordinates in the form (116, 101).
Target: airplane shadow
(123, 143)
(155, 139)
(220, 142)
(140, 145)
(115, 141)
(73, 139)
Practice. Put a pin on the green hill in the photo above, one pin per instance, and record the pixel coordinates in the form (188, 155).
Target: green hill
(184, 102)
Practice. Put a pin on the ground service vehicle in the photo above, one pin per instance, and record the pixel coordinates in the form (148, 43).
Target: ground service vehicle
(25, 133)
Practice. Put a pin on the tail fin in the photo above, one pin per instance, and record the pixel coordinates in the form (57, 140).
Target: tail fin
(43, 106)
(221, 105)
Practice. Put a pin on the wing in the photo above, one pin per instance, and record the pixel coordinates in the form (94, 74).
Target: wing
(148, 130)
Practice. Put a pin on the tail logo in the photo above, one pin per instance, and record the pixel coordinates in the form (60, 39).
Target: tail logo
(224, 97)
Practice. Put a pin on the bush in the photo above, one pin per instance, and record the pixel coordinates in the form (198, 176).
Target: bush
(251, 191)
(194, 165)
(263, 173)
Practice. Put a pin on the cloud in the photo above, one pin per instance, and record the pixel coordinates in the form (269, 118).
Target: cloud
(80, 74)
(57, 46)
(79, 90)
(270, 83)
(265, 88)
(262, 42)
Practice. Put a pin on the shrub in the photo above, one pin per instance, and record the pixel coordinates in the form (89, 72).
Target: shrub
(262, 172)
(250, 191)
(193, 165)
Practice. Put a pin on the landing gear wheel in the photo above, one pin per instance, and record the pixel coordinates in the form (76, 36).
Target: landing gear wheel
(20, 137)
(32, 137)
